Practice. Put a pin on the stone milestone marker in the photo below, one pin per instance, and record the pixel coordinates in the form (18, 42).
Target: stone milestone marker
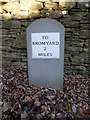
(45, 49)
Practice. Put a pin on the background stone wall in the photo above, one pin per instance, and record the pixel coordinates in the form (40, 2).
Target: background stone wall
(77, 29)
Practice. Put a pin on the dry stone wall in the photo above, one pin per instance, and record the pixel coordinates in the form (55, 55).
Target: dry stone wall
(21, 9)
(77, 29)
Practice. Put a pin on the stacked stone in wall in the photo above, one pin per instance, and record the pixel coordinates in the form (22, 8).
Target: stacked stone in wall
(22, 9)
(76, 41)
(77, 29)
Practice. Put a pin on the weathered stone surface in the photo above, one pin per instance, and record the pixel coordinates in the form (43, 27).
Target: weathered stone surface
(6, 63)
(70, 30)
(6, 48)
(20, 15)
(71, 24)
(77, 16)
(86, 44)
(24, 5)
(66, 5)
(23, 14)
(44, 12)
(5, 1)
(30, 5)
(34, 14)
(4, 32)
(12, 7)
(50, 5)
(11, 24)
(85, 50)
(84, 34)
(81, 68)
(81, 5)
(76, 33)
(77, 44)
(1, 8)
(85, 21)
(54, 14)
(0, 18)
(15, 32)
(7, 41)
(85, 26)
(78, 59)
(22, 64)
(34, 5)
(25, 23)
(20, 41)
(15, 56)
(6, 16)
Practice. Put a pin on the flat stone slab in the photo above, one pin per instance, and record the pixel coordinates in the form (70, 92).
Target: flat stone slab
(45, 49)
